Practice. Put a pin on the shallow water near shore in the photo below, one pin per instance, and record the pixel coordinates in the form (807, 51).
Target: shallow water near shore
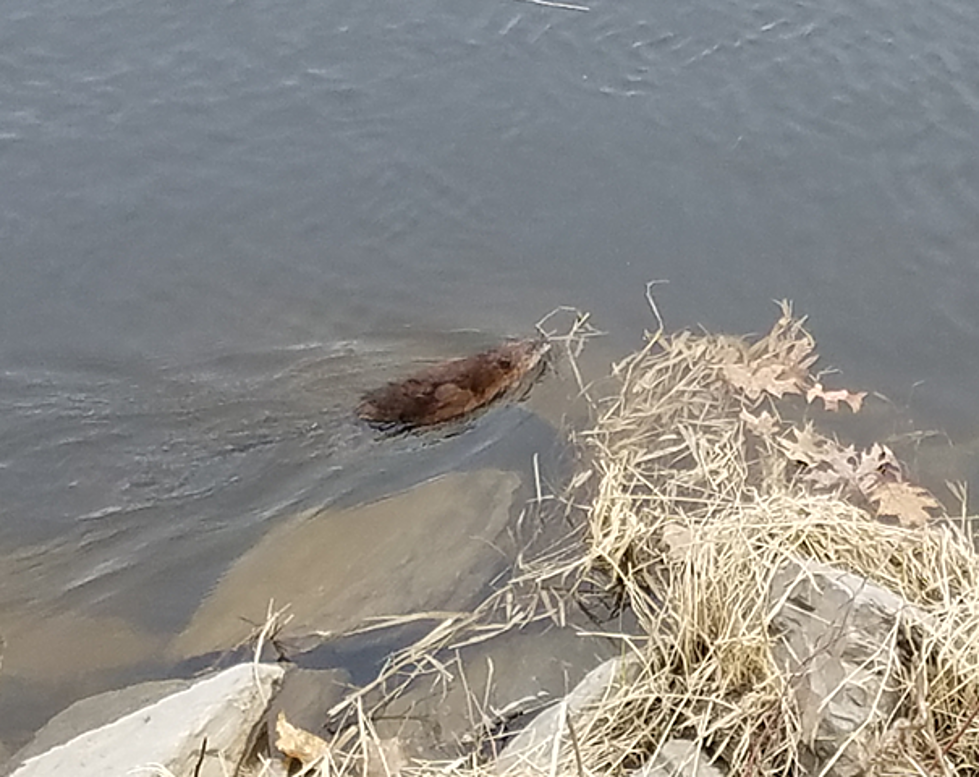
(222, 224)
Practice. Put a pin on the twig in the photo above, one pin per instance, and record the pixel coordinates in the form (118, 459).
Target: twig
(200, 757)
(652, 306)
(273, 622)
(575, 747)
(958, 734)
(563, 6)
(540, 497)
(562, 718)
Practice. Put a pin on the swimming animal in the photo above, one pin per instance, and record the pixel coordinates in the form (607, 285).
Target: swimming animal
(454, 388)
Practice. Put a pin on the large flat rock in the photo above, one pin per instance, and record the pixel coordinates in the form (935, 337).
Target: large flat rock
(427, 548)
(836, 637)
(221, 709)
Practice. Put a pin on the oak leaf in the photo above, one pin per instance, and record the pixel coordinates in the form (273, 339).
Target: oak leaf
(828, 464)
(763, 424)
(755, 379)
(905, 501)
(875, 473)
(832, 397)
(876, 464)
(807, 448)
(777, 364)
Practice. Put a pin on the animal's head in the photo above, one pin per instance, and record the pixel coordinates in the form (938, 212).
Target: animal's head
(522, 357)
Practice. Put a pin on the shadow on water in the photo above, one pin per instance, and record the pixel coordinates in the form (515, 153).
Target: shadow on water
(360, 655)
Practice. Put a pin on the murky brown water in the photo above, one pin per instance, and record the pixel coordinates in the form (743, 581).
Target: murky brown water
(221, 222)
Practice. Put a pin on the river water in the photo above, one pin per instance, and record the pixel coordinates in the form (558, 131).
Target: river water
(222, 221)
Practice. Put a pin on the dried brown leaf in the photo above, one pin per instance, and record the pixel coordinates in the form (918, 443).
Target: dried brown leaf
(876, 473)
(763, 424)
(777, 364)
(298, 743)
(907, 502)
(877, 464)
(807, 448)
(828, 464)
(755, 379)
(832, 397)
(826, 479)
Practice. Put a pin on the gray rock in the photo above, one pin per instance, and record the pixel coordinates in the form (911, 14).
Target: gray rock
(530, 751)
(834, 634)
(433, 547)
(222, 709)
(307, 694)
(521, 670)
(679, 758)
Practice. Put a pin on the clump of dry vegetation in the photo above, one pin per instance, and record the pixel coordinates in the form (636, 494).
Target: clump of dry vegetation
(704, 491)
(700, 480)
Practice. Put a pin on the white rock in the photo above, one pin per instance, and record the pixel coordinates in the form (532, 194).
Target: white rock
(223, 709)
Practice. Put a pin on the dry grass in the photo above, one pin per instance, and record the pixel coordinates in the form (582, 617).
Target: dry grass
(692, 515)
(686, 506)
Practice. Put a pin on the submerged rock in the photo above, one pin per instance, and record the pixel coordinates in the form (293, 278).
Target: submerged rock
(431, 547)
(60, 647)
(306, 695)
(303, 698)
(220, 711)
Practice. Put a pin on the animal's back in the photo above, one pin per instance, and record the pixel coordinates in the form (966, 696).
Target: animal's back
(454, 388)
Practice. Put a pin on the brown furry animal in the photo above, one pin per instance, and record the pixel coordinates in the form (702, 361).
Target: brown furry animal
(454, 388)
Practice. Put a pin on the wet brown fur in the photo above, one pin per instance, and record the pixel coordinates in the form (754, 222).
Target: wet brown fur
(454, 388)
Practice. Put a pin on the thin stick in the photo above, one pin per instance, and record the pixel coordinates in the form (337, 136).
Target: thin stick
(540, 497)
(962, 729)
(556, 748)
(575, 747)
(652, 306)
(200, 757)
(564, 6)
